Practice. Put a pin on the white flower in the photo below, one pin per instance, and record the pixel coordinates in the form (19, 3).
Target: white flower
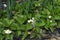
(7, 31)
(33, 18)
(4, 5)
(49, 16)
(50, 20)
(29, 32)
(28, 21)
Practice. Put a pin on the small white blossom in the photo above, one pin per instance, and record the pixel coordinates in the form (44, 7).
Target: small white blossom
(28, 21)
(50, 20)
(33, 18)
(4, 5)
(7, 31)
(32, 21)
(29, 32)
(49, 16)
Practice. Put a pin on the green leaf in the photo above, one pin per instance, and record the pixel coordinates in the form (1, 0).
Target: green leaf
(1, 24)
(7, 22)
(18, 33)
(53, 24)
(58, 24)
(16, 26)
(1, 30)
(41, 23)
(1, 37)
(28, 26)
(46, 12)
(46, 27)
(37, 16)
(20, 18)
(37, 29)
(51, 28)
(57, 17)
(32, 35)
(9, 37)
(25, 35)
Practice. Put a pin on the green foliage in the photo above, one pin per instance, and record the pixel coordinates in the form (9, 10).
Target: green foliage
(28, 15)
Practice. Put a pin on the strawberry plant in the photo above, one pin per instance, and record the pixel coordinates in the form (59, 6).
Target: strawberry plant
(28, 17)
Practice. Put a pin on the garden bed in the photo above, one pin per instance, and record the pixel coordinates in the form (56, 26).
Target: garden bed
(30, 20)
